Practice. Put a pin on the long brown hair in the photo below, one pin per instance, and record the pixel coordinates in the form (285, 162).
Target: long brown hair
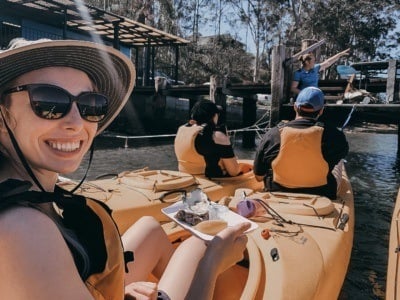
(306, 57)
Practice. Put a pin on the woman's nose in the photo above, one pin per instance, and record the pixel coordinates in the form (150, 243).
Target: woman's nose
(73, 118)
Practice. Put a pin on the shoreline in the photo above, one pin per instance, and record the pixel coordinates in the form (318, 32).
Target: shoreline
(372, 128)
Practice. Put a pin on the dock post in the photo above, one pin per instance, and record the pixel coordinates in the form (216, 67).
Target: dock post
(249, 117)
(391, 87)
(192, 102)
(159, 102)
(277, 83)
(398, 138)
(216, 95)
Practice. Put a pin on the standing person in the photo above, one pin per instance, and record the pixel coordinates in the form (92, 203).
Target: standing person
(299, 156)
(308, 74)
(56, 96)
(203, 147)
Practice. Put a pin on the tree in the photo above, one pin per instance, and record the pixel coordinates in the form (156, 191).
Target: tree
(368, 27)
(265, 21)
(362, 25)
(219, 55)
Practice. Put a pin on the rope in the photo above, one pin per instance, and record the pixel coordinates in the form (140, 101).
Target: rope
(258, 127)
(348, 117)
(138, 137)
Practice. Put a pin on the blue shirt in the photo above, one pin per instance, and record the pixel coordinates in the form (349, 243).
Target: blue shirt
(307, 78)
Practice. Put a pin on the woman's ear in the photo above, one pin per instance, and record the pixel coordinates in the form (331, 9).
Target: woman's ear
(4, 114)
(2, 126)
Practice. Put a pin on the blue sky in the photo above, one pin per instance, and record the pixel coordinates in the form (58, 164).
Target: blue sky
(247, 38)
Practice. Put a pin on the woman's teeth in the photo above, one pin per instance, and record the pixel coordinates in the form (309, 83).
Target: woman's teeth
(66, 147)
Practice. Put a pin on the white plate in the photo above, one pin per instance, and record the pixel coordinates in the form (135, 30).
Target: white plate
(230, 217)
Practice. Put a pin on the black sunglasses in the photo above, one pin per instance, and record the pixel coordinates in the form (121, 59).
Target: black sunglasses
(52, 102)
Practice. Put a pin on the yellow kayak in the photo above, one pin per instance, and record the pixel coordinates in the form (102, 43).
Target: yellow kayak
(132, 194)
(393, 270)
(304, 255)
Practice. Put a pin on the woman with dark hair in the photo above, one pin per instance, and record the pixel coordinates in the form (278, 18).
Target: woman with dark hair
(203, 147)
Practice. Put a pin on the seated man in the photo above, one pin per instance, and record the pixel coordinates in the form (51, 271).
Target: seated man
(202, 147)
(299, 156)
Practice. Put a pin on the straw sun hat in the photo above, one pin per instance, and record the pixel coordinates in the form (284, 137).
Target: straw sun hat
(112, 72)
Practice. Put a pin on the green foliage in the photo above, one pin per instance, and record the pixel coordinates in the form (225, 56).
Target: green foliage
(219, 56)
(367, 27)
(361, 25)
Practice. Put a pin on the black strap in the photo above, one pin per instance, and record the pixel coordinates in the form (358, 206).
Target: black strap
(128, 257)
(87, 169)
(12, 187)
(28, 168)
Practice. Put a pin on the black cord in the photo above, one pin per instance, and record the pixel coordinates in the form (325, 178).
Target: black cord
(20, 154)
(87, 169)
(278, 218)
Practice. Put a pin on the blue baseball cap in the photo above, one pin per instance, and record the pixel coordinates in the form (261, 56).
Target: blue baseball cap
(310, 99)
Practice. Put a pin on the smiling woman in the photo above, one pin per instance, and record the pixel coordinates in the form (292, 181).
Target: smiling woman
(47, 145)
(56, 96)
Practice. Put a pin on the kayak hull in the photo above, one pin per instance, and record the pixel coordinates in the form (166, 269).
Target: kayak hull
(304, 258)
(393, 269)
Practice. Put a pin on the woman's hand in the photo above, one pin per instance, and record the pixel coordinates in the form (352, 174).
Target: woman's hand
(141, 290)
(222, 252)
(244, 168)
(227, 247)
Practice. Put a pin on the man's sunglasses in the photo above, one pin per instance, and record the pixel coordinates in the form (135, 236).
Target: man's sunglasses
(52, 102)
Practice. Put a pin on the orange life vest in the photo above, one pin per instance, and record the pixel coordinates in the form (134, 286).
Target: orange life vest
(108, 284)
(189, 160)
(300, 163)
(104, 284)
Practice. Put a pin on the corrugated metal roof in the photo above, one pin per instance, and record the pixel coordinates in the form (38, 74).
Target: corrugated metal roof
(89, 19)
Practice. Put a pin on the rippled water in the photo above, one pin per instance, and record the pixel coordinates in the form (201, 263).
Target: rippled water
(373, 168)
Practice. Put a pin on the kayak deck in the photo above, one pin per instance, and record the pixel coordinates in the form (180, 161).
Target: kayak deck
(304, 258)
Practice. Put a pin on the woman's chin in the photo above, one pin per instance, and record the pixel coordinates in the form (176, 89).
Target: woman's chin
(67, 169)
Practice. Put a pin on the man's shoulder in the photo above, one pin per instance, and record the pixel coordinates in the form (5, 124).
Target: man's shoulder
(298, 123)
(333, 132)
(330, 127)
(271, 134)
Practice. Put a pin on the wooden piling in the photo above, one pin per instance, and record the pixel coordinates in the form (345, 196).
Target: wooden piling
(216, 95)
(249, 117)
(306, 43)
(277, 80)
(391, 89)
(398, 138)
(159, 101)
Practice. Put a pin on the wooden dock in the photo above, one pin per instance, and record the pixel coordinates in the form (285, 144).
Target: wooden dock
(334, 113)
(338, 110)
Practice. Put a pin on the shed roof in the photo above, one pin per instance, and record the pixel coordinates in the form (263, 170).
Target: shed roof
(105, 24)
